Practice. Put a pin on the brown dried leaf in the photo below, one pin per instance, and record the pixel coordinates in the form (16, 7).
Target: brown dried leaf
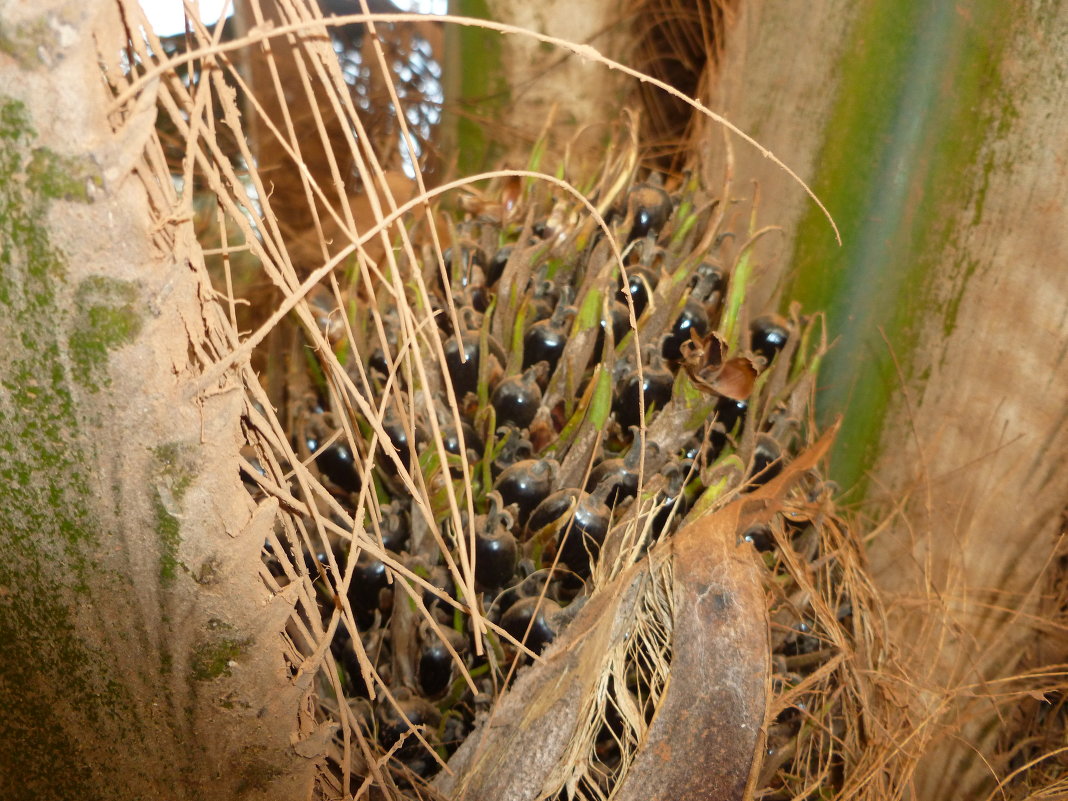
(704, 364)
(735, 378)
(704, 739)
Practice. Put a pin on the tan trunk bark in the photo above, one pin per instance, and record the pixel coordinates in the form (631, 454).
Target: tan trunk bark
(974, 442)
(142, 655)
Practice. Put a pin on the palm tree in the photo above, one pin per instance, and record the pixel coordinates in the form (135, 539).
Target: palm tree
(146, 656)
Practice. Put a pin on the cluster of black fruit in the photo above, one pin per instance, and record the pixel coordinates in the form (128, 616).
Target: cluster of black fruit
(537, 536)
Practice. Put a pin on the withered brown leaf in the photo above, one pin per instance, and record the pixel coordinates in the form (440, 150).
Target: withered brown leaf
(703, 361)
(704, 739)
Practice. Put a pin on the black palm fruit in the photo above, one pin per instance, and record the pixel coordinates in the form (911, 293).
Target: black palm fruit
(531, 622)
(538, 583)
(614, 472)
(541, 229)
(463, 364)
(472, 260)
(514, 448)
(729, 412)
(618, 477)
(377, 361)
(436, 663)
(767, 460)
(671, 503)
(463, 359)
(516, 399)
(620, 322)
(545, 339)
(472, 441)
(705, 447)
(544, 301)
(498, 263)
(654, 384)
(251, 466)
(395, 526)
(531, 418)
(641, 283)
(651, 207)
(579, 523)
(336, 462)
(544, 342)
(693, 319)
(709, 279)
(526, 484)
(393, 723)
(768, 335)
(440, 577)
(345, 655)
(369, 579)
(760, 537)
(398, 436)
(496, 551)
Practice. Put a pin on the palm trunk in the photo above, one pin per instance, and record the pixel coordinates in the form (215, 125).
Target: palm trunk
(142, 656)
(924, 128)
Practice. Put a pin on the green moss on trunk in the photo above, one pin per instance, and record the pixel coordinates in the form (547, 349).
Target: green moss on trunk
(47, 528)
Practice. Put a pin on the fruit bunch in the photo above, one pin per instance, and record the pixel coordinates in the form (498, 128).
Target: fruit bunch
(562, 384)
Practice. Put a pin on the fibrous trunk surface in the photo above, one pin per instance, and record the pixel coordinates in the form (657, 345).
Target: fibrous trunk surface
(142, 656)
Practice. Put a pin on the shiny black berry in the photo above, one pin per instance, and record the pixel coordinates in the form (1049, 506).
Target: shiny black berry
(530, 621)
(729, 412)
(377, 361)
(707, 449)
(654, 384)
(767, 460)
(671, 508)
(472, 441)
(641, 283)
(395, 527)
(461, 270)
(515, 448)
(693, 319)
(369, 578)
(539, 583)
(439, 577)
(516, 399)
(709, 279)
(463, 363)
(620, 322)
(496, 553)
(336, 463)
(526, 484)
(622, 482)
(393, 724)
(544, 301)
(543, 342)
(651, 207)
(436, 664)
(497, 264)
(398, 436)
(617, 479)
(767, 336)
(581, 522)
(760, 537)
(464, 374)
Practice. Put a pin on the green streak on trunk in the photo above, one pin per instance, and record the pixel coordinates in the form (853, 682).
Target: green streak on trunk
(898, 163)
(474, 89)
